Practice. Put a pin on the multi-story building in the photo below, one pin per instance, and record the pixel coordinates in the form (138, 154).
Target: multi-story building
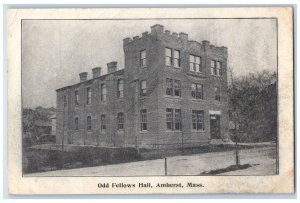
(171, 93)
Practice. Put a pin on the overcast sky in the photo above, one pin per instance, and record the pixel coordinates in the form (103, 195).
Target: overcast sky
(55, 52)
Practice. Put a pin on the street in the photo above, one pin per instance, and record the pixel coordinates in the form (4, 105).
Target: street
(262, 159)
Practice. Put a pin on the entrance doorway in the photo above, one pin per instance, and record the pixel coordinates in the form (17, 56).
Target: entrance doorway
(215, 127)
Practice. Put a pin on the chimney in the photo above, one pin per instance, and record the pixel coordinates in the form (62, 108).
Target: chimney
(96, 72)
(144, 34)
(205, 44)
(157, 29)
(112, 66)
(174, 34)
(83, 76)
(183, 36)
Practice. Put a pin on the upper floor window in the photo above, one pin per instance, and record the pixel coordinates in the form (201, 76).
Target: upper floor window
(197, 91)
(120, 92)
(217, 94)
(197, 120)
(177, 88)
(103, 92)
(213, 69)
(121, 121)
(143, 119)
(65, 101)
(172, 57)
(168, 56)
(176, 61)
(143, 90)
(89, 95)
(103, 122)
(219, 68)
(76, 97)
(169, 85)
(195, 63)
(89, 123)
(143, 59)
(76, 123)
(173, 87)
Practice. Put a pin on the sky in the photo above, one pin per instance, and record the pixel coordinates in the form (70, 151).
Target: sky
(54, 52)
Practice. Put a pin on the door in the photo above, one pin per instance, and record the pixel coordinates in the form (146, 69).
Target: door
(215, 127)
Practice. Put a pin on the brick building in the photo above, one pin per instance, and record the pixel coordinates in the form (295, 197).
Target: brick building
(171, 92)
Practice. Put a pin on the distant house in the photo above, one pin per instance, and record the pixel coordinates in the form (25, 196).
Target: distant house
(43, 127)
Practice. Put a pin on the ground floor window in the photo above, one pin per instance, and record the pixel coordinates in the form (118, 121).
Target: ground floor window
(76, 123)
(121, 121)
(103, 123)
(173, 119)
(177, 119)
(89, 123)
(197, 120)
(143, 119)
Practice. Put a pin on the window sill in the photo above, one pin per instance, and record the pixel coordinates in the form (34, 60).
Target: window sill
(198, 131)
(144, 131)
(173, 131)
(196, 74)
(197, 100)
(217, 76)
(172, 67)
(172, 97)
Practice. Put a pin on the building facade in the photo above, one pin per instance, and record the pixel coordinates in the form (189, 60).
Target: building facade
(171, 93)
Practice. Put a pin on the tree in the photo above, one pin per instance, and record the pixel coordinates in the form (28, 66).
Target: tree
(253, 106)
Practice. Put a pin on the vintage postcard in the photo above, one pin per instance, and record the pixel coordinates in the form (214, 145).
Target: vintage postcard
(150, 101)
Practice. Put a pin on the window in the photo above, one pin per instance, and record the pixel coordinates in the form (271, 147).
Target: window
(169, 84)
(197, 91)
(103, 123)
(176, 59)
(213, 69)
(143, 58)
(65, 101)
(172, 57)
(76, 98)
(89, 95)
(197, 120)
(143, 90)
(120, 121)
(177, 88)
(173, 122)
(169, 119)
(219, 68)
(168, 56)
(103, 92)
(89, 123)
(217, 94)
(177, 119)
(195, 63)
(173, 88)
(120, 92)
(76, 123)
(143, 119)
